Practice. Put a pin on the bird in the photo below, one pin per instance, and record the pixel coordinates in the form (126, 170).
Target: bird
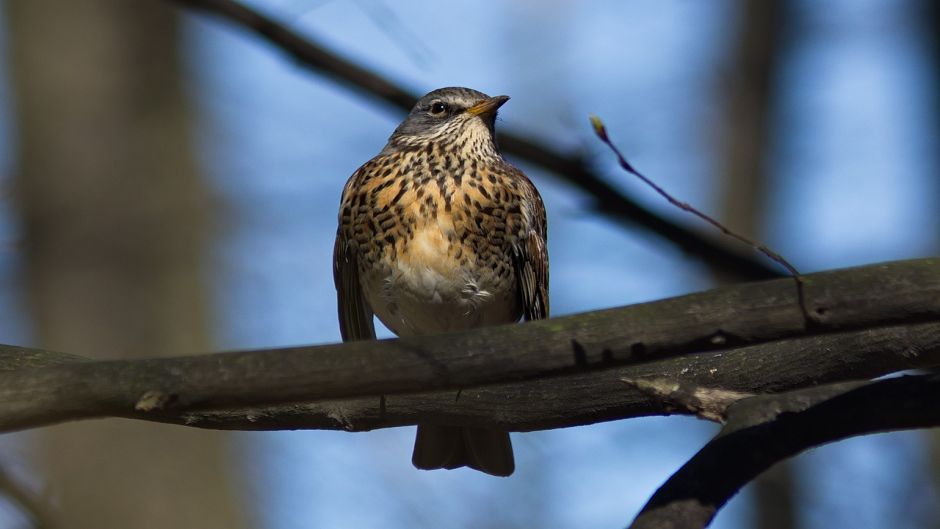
(438, 233)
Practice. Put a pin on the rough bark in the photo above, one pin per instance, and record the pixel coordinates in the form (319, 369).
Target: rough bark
(561, 372)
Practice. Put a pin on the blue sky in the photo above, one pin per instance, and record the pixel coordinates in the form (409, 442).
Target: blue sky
(852, 181)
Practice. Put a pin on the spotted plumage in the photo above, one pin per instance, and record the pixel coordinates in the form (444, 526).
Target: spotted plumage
(438, 233)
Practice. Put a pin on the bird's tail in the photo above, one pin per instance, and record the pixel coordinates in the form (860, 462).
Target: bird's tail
(488, 451)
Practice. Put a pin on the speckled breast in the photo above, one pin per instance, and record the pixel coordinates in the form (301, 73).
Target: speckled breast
(435, 248)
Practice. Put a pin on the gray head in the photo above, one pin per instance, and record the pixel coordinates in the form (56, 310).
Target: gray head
(448, 114)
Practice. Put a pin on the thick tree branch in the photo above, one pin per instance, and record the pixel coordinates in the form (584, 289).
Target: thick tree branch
(687, 396)
(573, 169)
(766, 429)
(560, 372)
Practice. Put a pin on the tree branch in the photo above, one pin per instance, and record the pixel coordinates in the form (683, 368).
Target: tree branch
(30, 506)
(573, 169)
(766, 429)
(688, 396)
(560, 372)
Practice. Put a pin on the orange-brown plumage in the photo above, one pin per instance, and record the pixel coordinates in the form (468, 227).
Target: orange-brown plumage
(438, 233)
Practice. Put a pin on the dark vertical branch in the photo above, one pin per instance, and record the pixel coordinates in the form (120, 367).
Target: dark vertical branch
(928, 11)
(751, 97)
(750, 94)
(114, 213)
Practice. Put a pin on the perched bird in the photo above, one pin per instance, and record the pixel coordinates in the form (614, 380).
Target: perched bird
(438, 233)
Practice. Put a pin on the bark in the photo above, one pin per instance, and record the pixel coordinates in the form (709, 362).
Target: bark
(561, 372)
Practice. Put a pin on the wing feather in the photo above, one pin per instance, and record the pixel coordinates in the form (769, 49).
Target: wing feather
(355, 315)
(531, 262)
(532, 273)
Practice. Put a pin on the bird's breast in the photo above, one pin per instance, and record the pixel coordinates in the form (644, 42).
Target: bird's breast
(435, 238)
(435, 282)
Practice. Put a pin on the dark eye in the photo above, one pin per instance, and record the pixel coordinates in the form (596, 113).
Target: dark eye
(438, 108)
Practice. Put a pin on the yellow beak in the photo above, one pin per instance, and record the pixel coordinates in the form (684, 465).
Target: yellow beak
(488, 106)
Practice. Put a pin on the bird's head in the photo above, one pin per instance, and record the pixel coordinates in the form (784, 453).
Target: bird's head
(449, 115)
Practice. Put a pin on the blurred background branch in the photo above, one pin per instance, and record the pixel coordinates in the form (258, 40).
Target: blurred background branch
(751, 104)
(25, 500)
(113, 220)
(573, 169)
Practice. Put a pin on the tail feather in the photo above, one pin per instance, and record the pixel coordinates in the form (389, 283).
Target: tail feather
(450, 447)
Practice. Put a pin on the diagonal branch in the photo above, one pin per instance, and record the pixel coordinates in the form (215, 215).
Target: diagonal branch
(766, 429)
(573, 169)
(553, 373)
(30, 506)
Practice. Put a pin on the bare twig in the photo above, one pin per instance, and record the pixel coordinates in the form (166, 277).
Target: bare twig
(573, 169)
(601, 132)
(766, 429)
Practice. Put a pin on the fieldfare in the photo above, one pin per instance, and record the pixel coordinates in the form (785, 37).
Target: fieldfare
(438, 233)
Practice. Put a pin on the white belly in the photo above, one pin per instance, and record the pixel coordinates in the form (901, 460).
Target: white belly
(430, 291)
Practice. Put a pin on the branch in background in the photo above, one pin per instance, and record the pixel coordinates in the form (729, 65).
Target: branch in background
(27, 502)
(561, 372)
(766, 429)
(747, 138)
(571, 168)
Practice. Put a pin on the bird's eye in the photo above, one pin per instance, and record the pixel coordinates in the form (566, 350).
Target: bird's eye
(438, 108)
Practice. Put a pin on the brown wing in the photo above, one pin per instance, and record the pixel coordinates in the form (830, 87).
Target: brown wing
(531, 260)
(355, 315)
(532, 273)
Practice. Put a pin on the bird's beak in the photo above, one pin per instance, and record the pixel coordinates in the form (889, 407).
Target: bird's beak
(488, 106)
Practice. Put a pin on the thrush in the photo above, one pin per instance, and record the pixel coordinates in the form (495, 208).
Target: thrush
(439, 233)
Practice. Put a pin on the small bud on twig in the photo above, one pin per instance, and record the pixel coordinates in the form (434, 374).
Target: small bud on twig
(601, 132)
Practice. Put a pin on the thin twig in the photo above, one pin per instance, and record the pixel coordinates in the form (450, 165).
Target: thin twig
(601, 132)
